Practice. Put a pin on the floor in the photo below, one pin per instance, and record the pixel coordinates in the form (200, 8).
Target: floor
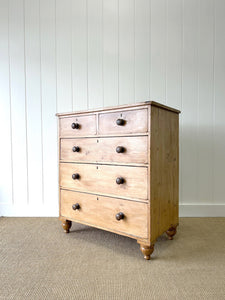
(39, 261)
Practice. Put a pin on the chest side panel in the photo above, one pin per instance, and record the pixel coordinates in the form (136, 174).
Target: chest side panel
(164, 171)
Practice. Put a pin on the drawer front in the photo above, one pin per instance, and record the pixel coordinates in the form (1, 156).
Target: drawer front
(102, 179)
(77, 125)
(101, 211)
(132, 121)
(116, 149)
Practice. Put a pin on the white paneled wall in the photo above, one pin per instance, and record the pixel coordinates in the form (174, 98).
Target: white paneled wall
(63, 55)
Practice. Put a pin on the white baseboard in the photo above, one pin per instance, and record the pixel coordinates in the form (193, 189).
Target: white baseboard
(202, 210)
(9, 210)
(185, 210)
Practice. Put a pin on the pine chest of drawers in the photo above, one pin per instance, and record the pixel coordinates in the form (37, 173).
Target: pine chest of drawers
(118, 170)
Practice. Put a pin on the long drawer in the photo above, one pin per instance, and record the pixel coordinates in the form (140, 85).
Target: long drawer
(101, 211)
(123, 181)
(113, 149)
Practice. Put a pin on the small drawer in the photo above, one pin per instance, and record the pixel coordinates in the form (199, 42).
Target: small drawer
(122, 181)
(124, 121)
(125, 216)
(77, 125)
(107, 149)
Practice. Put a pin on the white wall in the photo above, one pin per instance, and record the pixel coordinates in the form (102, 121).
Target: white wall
(68, 55)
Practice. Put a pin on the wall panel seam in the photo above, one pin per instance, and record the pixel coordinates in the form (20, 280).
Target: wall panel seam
(56, 65)
(166, 47)
(150, 49)
(25, 98)
(214, 101)
(102, 43)
(10, 108)
(87, 35)
(198, 97)
(134, 25)
(41, 105)
(118, 50)
(181, 116)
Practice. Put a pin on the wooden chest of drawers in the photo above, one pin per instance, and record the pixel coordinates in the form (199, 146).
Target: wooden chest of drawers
(118, 170)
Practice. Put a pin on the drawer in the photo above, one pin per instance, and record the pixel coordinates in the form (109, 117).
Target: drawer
(101, 212)
(115, 149)
(102, 179)
(77, 125)
(130, 121)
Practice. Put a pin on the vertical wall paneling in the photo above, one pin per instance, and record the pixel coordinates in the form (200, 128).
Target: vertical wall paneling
(219, 105)
(33, 101)
(5, 151)
(64, 55)
(142, 48)
(126, 52)
(95, 67)
(158, 50)
(79, 54)
(173, 53)
(189, 101)
(58, 56)
(205, 101)
(48, 92)
(110, 52)
(18, 102)
(174, 42)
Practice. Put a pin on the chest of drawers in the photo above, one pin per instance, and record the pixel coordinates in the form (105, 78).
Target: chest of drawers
(119, 170)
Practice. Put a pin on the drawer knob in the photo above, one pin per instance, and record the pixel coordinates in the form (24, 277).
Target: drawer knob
(120, 122)
(76, 149)
(75, 176)
(120, 216)
(75, 206)
(75, 125)
(120, 149)
(119, 180)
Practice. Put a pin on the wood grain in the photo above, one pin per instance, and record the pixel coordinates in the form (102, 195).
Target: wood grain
(66, 225)
(147, 250)
(101, 211)
(123, 176)
(119, 107)
(87, 125)
(102, 179)
(135, 121)
(164, 168)
(104, 149)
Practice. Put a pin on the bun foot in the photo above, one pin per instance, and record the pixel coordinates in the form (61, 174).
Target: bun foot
(171, 232)
(66, 224)
(147, 251)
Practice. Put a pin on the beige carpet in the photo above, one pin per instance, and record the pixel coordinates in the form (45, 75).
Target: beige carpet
(39, 261)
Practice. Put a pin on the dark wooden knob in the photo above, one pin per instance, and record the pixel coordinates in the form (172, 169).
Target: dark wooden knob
(75, 176)
(120, 149)
(120, 216)
(119, 180)
(120, 122)
(76, 149)
(75, 206)
(75, 125)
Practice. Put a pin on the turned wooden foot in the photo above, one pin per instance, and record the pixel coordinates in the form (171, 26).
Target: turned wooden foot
(66, 224)
(171, 232)
(147, 250)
